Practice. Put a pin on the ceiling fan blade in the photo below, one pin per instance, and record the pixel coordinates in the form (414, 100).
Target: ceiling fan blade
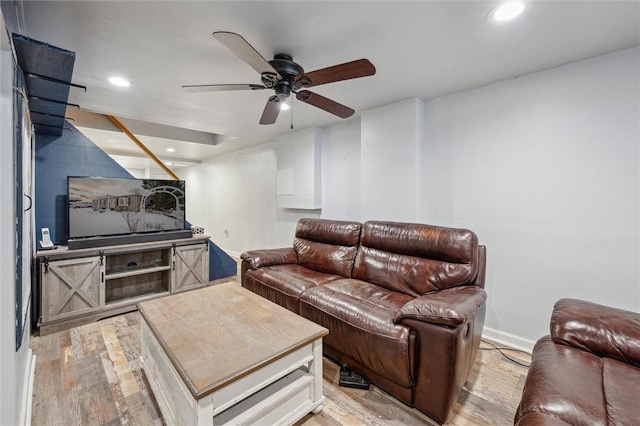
(346, 71)
(326, 104)
(271, 111)
(221, 87)
(243, 50)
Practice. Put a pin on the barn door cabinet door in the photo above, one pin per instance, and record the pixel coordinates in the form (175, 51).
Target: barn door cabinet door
(71, 287)
(190, 267)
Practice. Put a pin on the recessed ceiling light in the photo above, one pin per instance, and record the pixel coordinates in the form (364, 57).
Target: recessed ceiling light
(508, 10)
(168, 163)
(119, 81)
(171, 150)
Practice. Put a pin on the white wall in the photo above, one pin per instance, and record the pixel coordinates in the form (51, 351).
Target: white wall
(14, 366)
(391, 143)
(545, 169)
(341, 171)
(237, 193)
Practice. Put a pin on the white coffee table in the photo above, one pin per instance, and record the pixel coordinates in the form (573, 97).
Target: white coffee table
(224, 355)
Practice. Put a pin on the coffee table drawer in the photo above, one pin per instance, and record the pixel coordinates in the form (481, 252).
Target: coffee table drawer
(276, 404)
(261, 378)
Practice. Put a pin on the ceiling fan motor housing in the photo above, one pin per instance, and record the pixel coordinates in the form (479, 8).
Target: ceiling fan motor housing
(283, 89)
(288, 70)
(285, 66)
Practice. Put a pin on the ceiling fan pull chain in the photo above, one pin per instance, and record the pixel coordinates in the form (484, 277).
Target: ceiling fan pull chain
(291, 112)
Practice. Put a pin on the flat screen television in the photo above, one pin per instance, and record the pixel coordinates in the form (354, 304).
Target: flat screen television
(100, 207)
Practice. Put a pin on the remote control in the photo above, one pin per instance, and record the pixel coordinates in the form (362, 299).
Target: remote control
(351, 379)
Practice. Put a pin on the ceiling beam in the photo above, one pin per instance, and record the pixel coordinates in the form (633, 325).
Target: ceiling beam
(143, 155)
(94, 120)
(142, 146)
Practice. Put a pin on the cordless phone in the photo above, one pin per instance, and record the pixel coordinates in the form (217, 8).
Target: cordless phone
(46, 239)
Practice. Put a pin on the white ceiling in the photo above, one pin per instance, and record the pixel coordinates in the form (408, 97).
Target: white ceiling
(423, 49)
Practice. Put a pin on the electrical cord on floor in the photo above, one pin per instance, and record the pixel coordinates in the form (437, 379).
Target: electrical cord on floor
(501, 348)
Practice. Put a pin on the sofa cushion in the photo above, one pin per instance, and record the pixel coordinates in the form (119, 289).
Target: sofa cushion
(603, 330)
(621, 384)
(566, 383)
(416, 259)
(327, 246)
(283, 284)
(360, 316)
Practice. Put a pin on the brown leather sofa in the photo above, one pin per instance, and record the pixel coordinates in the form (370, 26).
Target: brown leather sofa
(404, 303)
(587, 372)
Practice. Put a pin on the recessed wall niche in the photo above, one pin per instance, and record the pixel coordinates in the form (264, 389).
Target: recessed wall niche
(299, 171)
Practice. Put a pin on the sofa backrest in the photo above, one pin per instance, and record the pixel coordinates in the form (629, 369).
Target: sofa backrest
(327, 246)
(416, 259)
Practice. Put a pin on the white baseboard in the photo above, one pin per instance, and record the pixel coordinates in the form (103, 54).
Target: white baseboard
(507, 339)
(27, 396)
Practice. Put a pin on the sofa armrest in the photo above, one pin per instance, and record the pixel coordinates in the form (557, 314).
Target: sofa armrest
(453, 306)
(602, 330)
(269, 257)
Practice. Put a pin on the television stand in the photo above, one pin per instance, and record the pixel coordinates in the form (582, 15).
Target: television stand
(84, 285)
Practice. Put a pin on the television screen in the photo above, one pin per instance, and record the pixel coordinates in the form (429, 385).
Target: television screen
(112, 206)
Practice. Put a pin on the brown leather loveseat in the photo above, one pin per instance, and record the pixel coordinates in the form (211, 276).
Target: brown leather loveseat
(404, 303)
(587, 372)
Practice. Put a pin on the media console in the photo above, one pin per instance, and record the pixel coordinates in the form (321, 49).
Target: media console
(85, 285)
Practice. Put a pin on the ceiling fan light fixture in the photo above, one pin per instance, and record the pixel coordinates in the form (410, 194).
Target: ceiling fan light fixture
(119, 81)
(508, 10)
(284, 106)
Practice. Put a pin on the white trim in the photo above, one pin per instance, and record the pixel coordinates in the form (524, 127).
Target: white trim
(234, 254)
(27, 396)
(507, 339)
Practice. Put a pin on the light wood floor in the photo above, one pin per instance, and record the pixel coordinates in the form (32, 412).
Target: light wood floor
(91, 375)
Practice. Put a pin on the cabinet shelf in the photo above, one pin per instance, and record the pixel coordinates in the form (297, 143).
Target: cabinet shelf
(138, 270)
(115, 298)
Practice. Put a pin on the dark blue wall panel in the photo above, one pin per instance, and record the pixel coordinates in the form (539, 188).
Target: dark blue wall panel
(57, 157)
(73, 154)
(220, 264)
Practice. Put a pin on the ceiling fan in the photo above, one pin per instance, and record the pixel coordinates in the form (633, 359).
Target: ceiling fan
(285, 77)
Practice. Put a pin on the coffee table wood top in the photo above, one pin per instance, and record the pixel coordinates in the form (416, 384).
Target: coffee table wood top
(218, 334)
